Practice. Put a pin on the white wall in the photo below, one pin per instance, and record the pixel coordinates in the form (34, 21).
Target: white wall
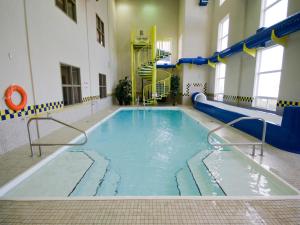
(290, 81)
(54, 38)
(142, 15)
(194, 33)
(13, 48)
(236, 11)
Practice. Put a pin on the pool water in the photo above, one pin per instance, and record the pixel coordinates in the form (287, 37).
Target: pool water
(147, 147)
(150, 152)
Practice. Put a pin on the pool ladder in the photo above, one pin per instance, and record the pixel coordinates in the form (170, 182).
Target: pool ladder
(261, 143)
(53, 144)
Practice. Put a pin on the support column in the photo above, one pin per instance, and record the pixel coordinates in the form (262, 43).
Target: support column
(153, 58)
(133, 77)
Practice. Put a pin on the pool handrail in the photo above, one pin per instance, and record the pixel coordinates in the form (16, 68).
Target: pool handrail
(53, 144)
(263, 138)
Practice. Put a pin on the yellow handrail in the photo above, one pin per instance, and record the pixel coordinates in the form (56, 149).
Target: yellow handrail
(163, 90)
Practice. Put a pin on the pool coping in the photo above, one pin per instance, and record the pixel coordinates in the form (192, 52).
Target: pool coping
(17, 180)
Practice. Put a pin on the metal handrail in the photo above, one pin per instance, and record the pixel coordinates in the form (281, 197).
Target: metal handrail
(263, 138)
(52, 144)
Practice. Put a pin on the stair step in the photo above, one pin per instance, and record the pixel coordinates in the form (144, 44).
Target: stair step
(61, 176)
(186, 183)
(109, 186)
(91, 180)
(227, 166)
(145, 69)
(204, 179)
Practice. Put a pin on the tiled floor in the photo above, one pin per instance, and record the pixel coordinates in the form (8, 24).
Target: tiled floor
(281, 212)
(151, 211)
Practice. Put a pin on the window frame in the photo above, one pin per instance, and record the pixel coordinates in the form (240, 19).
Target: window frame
(100, 31)
(71, 85)
(256, 97)
(265, 8)
(220, 33)
(65, 9)
(161, 61)
(219, 95)
(270, 104)
(102, 86)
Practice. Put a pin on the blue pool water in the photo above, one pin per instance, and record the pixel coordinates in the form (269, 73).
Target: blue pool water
(147, 147)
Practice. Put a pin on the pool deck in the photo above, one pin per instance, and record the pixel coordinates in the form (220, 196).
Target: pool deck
(180, 210)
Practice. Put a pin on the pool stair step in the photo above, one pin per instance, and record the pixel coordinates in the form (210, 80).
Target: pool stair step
(88, 184)
(205, 181)
(186, 183)
(110, 183)
(240, 176)
(55, 179)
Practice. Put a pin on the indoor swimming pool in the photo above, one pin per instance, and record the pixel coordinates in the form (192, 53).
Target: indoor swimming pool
(150, 152)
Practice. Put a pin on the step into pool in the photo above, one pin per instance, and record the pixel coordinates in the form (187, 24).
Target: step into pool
(150, 152)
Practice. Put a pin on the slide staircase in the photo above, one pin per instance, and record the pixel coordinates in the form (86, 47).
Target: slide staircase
(144, 56)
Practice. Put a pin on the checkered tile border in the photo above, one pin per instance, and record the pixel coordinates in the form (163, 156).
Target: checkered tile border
(8, 114)
(90, 98)
(189, 85)
(48, 106)
(187, 90)
(197, 84)
(205, 88)
(237, 98)
(284, 103)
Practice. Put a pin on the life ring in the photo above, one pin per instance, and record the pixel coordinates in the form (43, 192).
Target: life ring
(8, 93)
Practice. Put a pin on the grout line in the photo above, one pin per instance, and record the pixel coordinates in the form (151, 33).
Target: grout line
(118, 198)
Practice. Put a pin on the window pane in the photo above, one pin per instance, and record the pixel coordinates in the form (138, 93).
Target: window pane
(67, 95)
(104, 80)
(265, 103)
(219, 97)
(276, 13)
(97, 22)
(268, 84)
(102, 27)
(271, 59)
(60, 4)
(76, 76)
(65, 75)
(71, 9)
(102, 39)
(165, 46)
(98, 36)
(221, 85)
(77, 95)
(101, 92)
(225, 27)
(222, 70)
(224, 43)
